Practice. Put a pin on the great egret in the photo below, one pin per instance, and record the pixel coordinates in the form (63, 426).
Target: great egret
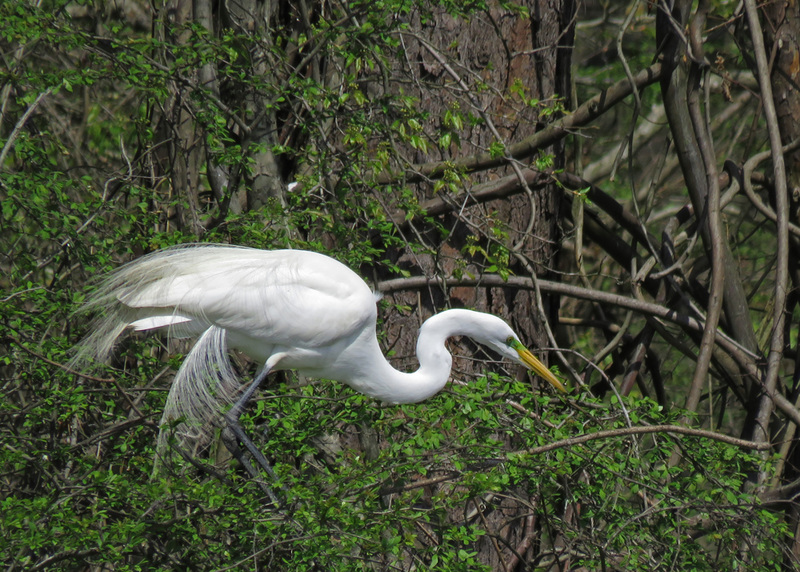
(286, 309)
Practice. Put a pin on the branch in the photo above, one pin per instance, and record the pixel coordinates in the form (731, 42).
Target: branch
(781, 210)
(21, 123)
(741, 355)
(747, 183)
(715, 244)
(553, 133)
(511, 185)
(23, 347)
(641, 306)
(644, 430)
(675, 88)
(609, 205)
(581, 439)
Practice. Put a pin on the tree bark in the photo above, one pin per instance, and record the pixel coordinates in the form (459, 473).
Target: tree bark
(511, 55)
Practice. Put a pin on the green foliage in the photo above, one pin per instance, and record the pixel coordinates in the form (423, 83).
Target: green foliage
(354, 509)
(91, 178)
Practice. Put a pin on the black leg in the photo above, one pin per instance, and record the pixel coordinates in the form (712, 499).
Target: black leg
(231, 441)
(234, 434)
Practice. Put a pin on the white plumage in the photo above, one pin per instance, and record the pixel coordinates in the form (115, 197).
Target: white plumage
(286, 309)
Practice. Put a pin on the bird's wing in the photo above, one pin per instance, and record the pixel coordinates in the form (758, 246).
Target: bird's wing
(292, 297)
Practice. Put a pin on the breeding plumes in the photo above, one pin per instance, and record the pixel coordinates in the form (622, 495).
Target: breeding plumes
(287, 310)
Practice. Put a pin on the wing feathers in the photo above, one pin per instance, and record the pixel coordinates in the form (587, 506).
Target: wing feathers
(157, 322)
(289, 298)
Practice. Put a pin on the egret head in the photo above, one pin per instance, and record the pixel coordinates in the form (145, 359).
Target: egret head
(500, 337)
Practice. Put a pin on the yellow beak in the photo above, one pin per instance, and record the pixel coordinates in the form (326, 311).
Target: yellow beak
(538, 367)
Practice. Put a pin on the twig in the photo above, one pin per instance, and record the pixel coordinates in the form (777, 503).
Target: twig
(747, 183)
(21, 123)
(22, 346)
(644, 430)
(581, 439)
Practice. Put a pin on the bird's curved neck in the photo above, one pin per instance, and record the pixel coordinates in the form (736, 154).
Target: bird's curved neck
(386, 383)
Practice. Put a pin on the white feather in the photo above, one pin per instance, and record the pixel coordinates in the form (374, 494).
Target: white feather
(157, 322)
(286, 309)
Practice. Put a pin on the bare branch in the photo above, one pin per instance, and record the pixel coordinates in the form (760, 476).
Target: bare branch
(21, 123)
(781, 210)
(645, 430)
(554, 132)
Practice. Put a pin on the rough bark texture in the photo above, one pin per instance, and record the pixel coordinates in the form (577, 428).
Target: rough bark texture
(507, 53)
(482, 47)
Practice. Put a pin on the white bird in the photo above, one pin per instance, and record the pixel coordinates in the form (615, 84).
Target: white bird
(286, 309)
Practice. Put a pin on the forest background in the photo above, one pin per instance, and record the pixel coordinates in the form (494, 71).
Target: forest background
(615, 179)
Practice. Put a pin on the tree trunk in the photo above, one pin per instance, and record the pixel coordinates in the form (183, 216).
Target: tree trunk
(526, 64)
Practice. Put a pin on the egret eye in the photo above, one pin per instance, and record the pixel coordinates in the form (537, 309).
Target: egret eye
(511, 341)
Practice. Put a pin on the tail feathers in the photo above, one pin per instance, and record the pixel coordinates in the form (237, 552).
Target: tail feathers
(98, 346)
(111, 302)
(204, 386)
